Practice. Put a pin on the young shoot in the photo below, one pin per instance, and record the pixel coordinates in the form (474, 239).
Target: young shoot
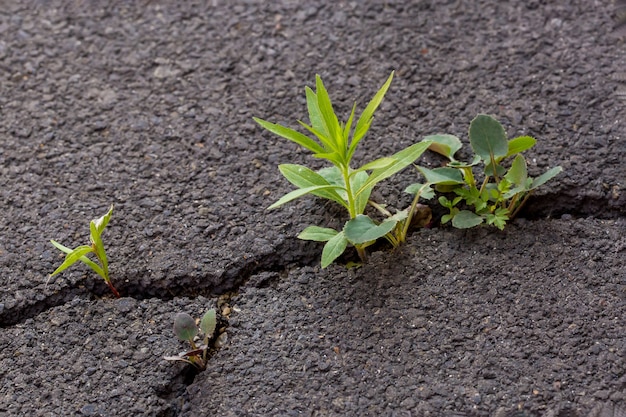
(96, 227)
(336, 142)
(186, 329)
(499, 192)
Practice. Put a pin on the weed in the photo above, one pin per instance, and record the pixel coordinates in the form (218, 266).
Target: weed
(186, 329)
(502, 192)
(96, 227)
(351, 188)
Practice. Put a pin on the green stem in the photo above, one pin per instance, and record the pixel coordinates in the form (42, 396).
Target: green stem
(345, 171)
(520, 205)
(380, 208)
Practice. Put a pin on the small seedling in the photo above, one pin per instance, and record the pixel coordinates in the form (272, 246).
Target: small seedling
(186, 329)
(502, 192)
(351, 188)
(96, 227)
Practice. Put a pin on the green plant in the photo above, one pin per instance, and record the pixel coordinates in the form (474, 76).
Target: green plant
(96, 227)
(186, 329)
(351, 188)
(500, 194)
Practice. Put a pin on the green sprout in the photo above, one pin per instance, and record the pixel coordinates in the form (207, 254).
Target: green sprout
(351, 188)
(502, 192)
(186, 329)
(96, 227)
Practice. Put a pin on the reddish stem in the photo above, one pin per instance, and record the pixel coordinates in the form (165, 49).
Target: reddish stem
(117, 294)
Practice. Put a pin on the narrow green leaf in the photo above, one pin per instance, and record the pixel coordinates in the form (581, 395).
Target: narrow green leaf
(518, 173)
(404, 158)
(379, 163)
(102, 222)
(318, 234)
(299, 193)
(333, 249)
(365, 120)
(361, 199)
(545, 177)
(99, 249)
(520, 144)
(328, 114)
(446, 145)
(465, 219)
(488, 138)
(303, 177)
(315, 116)
(348, 126)
(91, 264)
(62, 248)
(72, 257)
(362, 229)
(291, 135)
(208, 323)
(329, 144)
(442, 176)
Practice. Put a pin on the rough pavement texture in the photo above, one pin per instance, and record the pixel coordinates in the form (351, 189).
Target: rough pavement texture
(149, 107)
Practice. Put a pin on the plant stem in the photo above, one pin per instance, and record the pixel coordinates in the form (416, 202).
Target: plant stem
(360, 250)
(520, 205)
(117, 294)
(345, 172)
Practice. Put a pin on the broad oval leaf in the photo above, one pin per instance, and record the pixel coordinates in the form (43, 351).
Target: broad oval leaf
(545, 177)
(466, 219)
(520, 144)
(362, 229)
(442, 176)
(318, 234)
(208, 323)
(185, 327)
(446, 145)
(333, 249)
(488, 138)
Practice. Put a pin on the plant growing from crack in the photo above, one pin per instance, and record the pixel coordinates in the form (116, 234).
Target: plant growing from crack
(186, 329)
(96, 227)
(349, 187)
(502, 192)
